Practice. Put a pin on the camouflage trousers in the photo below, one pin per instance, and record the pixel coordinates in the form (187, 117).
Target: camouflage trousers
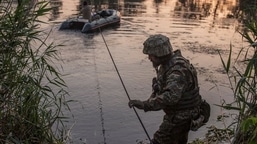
(172, 131)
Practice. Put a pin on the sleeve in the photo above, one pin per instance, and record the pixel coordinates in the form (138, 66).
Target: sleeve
(172, 92)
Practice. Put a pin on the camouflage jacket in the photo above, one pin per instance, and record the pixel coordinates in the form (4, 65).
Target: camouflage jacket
(177, 87)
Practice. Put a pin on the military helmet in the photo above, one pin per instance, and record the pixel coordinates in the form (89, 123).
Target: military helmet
(158, 45)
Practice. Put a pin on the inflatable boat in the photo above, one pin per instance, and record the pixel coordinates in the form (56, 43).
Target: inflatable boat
(100, 19)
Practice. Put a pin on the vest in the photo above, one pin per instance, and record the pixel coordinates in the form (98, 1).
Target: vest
(191, 97)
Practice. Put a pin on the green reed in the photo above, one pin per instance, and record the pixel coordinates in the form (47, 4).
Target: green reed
(242, 75)
(32, 92)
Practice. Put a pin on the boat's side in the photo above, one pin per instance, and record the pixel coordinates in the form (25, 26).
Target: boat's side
(74, 23)
(102, 22)
(65, 25)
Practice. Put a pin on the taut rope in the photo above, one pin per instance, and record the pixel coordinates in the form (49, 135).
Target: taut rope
(125, 87)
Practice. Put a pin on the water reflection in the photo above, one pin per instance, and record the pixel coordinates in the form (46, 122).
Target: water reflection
(56, 6)
(221, 14)
(191, 9)
(185, 9)
(195, 9)
(132, 8)
(246, 11)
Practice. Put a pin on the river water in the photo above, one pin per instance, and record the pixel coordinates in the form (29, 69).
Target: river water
(101, 115)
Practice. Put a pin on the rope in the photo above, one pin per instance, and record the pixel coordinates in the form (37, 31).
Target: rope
(125, 87)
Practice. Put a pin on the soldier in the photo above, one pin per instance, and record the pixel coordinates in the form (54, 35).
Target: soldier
(175, 91)
(86, 11)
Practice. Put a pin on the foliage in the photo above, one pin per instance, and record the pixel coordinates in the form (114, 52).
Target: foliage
(32, 92)
(242, 76)
(250, 124)
(215, 135)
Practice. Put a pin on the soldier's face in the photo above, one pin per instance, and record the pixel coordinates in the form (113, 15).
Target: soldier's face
(155, 60)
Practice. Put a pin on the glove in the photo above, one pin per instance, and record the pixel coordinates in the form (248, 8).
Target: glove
(136, 103)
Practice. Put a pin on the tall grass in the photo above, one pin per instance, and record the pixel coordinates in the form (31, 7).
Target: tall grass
(242, 74)
(32, 92)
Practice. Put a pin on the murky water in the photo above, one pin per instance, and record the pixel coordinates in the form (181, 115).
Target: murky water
(199, 28)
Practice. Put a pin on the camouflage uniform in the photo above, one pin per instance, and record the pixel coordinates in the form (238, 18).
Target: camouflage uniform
(175, 91)
(178, 96)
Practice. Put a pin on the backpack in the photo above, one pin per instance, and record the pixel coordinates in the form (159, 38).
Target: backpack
(205, 110)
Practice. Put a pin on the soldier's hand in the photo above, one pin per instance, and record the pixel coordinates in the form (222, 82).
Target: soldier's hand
(136, 103)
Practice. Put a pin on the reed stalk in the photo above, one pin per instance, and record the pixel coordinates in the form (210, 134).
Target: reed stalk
(242, 74)
(32, 91)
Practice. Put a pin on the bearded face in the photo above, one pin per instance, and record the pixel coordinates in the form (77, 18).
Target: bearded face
(155, 60)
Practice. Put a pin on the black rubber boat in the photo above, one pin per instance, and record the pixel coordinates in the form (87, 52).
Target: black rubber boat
(101, 19)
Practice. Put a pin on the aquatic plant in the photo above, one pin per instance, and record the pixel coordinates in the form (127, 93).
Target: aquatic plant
(32, 92)
(242, 75)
